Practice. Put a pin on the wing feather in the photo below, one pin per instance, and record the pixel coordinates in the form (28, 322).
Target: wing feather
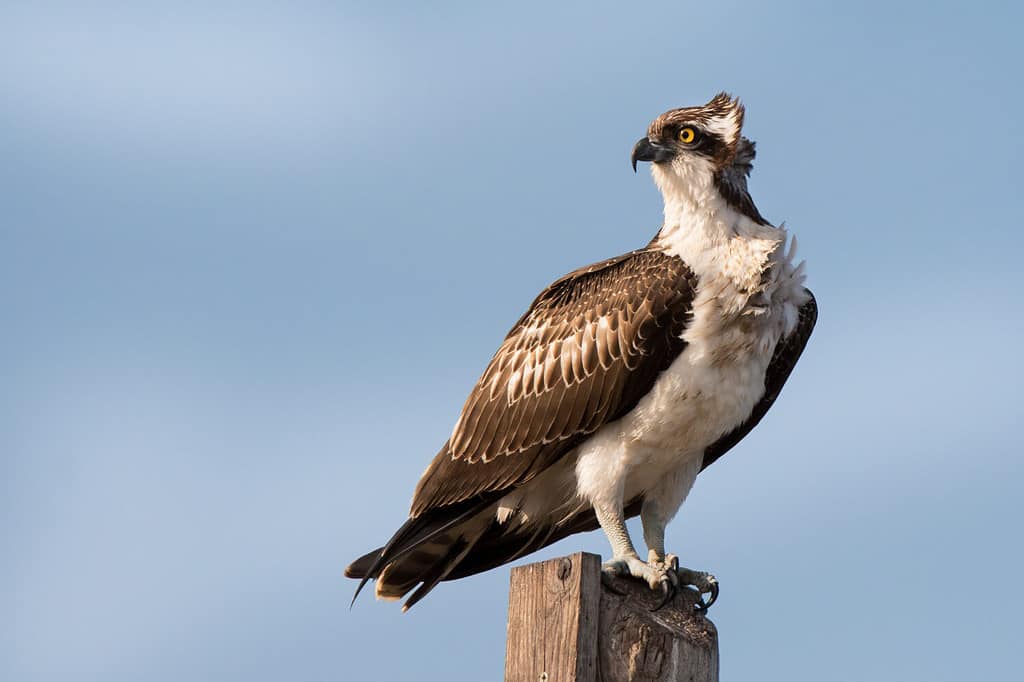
(552, 362)
(601, 347)
(593, 416)
(559, 416)
(583, 354)
(540, 421)
(565, 360)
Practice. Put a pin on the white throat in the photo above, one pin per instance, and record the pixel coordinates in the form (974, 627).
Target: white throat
(705, 231)
(745, 268)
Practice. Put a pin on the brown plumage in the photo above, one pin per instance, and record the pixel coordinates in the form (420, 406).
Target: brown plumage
(511, 430)
(452, 531)
(664, 128)
(584, 354)
(545, 388)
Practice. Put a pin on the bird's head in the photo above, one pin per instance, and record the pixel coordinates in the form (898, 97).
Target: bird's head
(697, 150)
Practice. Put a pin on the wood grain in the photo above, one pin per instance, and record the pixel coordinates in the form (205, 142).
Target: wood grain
(674, 644)
(552, 620)
(564, 626)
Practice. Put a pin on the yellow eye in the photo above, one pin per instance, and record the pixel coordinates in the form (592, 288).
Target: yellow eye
(687, 135)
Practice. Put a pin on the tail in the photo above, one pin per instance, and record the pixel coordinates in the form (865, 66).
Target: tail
(455, 542)
(423, 552)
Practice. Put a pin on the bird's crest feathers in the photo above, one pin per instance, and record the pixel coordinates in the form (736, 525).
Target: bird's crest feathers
(722, 116)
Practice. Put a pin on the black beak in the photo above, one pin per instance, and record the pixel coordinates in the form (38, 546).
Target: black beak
(645, 150)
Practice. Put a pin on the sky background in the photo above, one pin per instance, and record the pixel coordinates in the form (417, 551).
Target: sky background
(253, 257)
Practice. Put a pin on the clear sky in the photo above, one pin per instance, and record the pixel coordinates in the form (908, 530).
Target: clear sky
(253, 257)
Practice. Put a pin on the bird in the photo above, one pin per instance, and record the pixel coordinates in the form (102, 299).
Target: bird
(621, 383)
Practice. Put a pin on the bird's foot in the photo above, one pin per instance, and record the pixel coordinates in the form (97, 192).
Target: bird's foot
(658, 575)
(663, 575)
(699, 581)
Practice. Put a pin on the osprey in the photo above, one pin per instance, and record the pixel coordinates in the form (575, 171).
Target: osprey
(622, 381)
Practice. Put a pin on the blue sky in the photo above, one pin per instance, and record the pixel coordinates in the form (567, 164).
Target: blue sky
(253, 257)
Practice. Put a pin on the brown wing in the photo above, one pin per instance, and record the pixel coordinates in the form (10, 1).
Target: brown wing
(590, 346)
(787, 352)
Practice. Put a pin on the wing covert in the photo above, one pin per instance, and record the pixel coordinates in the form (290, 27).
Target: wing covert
(589, 347)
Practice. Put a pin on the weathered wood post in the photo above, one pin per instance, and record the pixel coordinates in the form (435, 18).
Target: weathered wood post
(563, 626)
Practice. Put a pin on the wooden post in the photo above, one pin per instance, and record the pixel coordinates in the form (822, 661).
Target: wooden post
(563, 626)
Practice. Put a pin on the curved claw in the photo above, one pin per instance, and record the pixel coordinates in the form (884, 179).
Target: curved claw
(702, 605)
(668, 591)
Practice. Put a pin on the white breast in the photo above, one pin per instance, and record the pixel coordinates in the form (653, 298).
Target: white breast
(747, 299)
(711, 387)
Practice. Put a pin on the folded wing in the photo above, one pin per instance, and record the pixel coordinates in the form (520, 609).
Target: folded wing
(590, 346)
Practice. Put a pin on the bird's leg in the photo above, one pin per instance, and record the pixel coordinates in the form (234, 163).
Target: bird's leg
(654, 531)
(625, 561)
(654, 536)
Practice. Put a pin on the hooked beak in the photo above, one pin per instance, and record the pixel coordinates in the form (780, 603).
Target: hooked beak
(645, 150)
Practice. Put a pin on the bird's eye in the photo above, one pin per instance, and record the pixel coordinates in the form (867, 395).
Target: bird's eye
(687, 135)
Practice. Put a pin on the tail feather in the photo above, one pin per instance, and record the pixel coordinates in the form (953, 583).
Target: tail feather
(400, 577)
(456, 543)
(361, 566)
(414, 534)
(501, 545)
(440, 570)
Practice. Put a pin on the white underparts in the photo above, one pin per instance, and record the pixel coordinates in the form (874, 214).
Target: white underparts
(748, 295)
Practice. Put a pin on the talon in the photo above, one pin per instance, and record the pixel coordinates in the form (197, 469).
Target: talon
(669, 591)
(702, 605)
(714, 595)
